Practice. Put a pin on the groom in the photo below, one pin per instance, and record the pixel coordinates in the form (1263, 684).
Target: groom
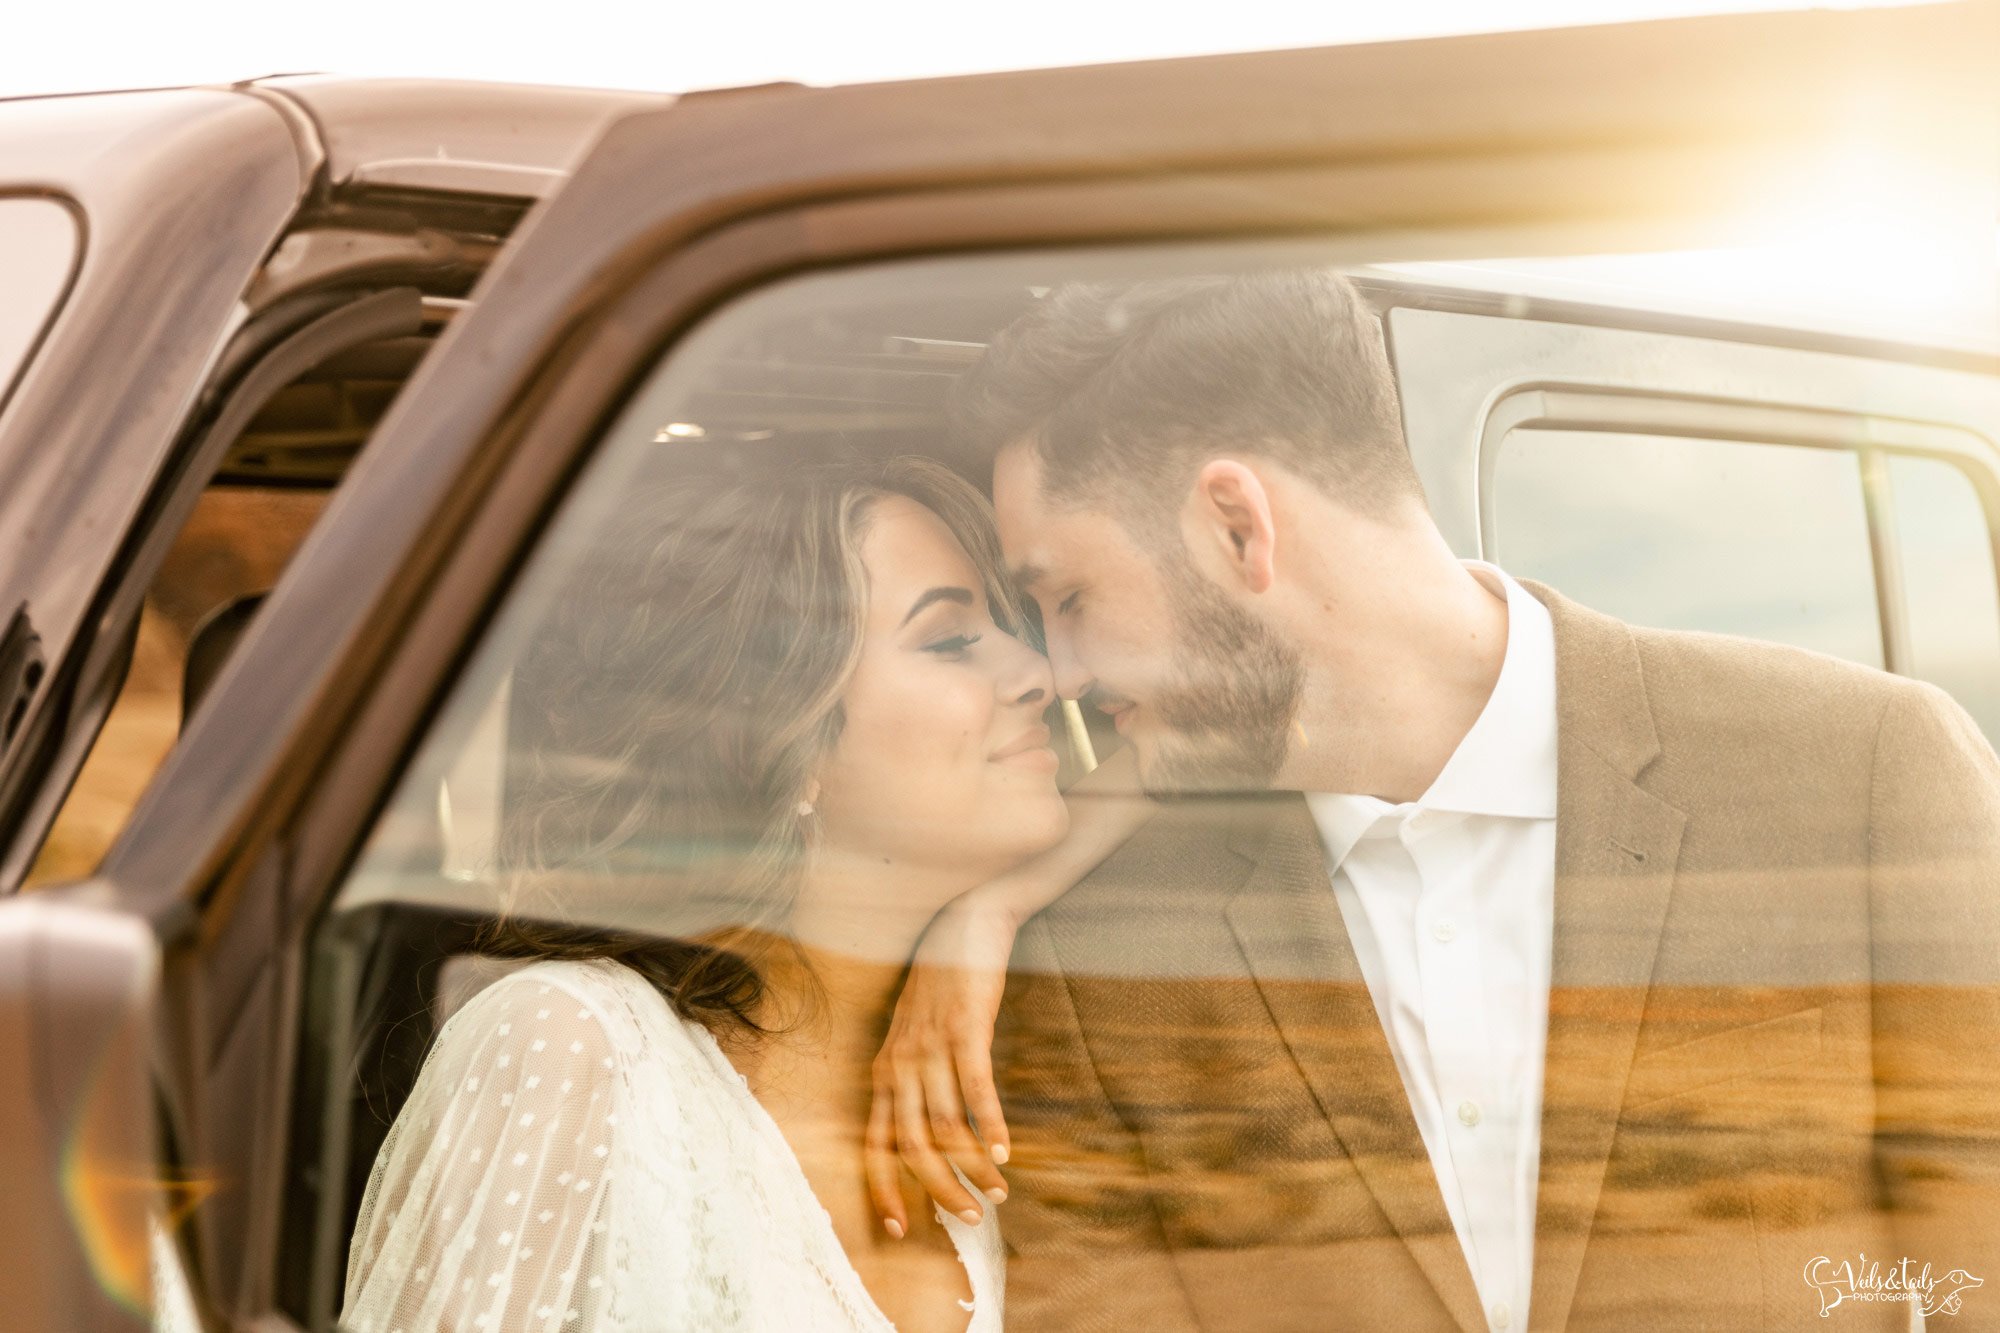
(1493, 964)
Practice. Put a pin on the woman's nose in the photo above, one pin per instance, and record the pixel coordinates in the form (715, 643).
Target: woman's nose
(1026, 678)
(1066, 672)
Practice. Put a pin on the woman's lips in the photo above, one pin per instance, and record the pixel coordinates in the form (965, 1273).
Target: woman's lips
(1028, 750)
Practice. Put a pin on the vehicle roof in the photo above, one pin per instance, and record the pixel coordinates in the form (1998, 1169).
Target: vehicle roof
(515, 139)
(522, 140)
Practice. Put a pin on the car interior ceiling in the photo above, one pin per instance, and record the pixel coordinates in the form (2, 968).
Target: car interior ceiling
(310, 431)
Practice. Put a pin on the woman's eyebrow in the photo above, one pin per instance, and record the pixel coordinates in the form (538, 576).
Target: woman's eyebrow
(960, 595)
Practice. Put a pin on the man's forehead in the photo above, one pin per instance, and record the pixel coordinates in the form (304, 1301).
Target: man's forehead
(1049, 554)
(1046, 540)
(1017, 475)
(1027, 574)
(1024, 518)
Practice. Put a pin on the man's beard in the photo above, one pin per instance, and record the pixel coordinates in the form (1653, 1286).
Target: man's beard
(1229, 709)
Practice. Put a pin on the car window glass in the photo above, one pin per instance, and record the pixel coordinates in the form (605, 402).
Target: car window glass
(1285, 1028)
(1760, 539)
(38, 252)
(1944, 541)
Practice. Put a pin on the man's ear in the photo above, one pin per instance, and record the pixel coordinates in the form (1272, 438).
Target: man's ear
(1230, 512)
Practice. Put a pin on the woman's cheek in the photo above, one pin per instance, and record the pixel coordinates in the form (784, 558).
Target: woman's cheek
(971, 724)
(903, 734)
(929, 729)
(945, 698)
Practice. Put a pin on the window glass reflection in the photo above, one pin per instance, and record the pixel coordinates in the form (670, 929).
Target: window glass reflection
(1764, 540)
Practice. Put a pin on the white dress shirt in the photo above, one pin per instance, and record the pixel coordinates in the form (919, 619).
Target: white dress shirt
(1450, 903)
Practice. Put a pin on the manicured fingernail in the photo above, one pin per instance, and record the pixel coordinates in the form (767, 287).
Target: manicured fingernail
(997, 1194)
(970, 1217)
(999, 1152)
(893, 1227)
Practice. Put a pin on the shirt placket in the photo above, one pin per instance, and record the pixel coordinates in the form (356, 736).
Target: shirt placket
(1477, 1119)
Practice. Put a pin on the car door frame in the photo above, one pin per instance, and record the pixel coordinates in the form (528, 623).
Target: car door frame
(257, 813)
(180, 195)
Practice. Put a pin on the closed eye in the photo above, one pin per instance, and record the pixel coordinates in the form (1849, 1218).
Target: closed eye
(957, 643)
(1068, 604)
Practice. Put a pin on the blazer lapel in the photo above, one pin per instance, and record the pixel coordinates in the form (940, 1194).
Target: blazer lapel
(1288, 926)
(1616, 848)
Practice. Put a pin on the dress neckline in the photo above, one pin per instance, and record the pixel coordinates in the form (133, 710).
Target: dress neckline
(962, 1233)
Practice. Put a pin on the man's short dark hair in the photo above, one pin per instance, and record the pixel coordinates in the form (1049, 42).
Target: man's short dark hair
(1125, 391)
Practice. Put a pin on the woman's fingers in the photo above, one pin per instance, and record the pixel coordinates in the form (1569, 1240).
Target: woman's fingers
(882, 1167)
(920, 1154)
(936, 1062)
(953, 1135)
(982, 1099)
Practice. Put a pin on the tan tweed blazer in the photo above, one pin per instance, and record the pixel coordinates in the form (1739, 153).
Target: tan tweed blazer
(1774, 1032)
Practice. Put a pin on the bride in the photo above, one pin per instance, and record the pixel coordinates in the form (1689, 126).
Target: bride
(812, 703)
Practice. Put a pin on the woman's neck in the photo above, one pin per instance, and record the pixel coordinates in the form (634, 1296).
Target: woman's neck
(831, 987)
(825, 1016)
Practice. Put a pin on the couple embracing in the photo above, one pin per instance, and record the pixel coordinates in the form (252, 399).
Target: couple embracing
(1434, 952)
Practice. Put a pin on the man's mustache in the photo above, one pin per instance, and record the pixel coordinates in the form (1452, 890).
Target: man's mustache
(1103, 700)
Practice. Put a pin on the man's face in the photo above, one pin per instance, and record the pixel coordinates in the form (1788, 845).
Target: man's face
(1205, 692)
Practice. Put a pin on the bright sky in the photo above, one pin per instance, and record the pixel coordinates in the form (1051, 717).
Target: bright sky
(675, 45)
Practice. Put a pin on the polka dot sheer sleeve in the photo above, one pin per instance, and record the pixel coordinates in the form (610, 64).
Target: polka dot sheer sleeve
(577, 1158)
(489, 1207)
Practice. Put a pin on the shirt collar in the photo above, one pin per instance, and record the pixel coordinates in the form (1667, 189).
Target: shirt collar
(1506, 763)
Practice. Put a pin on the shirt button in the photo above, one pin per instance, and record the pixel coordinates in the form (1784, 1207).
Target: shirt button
(1468, 1112)
(1500, 1314)
(1444, 932)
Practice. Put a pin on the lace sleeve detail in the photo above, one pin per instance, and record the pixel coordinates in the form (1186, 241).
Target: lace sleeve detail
(488, 1205)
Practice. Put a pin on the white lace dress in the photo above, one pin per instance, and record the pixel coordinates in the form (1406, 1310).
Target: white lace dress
(576, 1156)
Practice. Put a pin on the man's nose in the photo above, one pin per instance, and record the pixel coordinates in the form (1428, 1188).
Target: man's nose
(1072, 679)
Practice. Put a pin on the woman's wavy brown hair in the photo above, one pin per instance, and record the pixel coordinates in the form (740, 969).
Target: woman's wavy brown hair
(668, 717)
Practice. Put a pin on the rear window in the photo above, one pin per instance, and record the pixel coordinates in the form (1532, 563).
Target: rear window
(1735, 537)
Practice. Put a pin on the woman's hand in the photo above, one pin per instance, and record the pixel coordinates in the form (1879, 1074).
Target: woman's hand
(935, 1102)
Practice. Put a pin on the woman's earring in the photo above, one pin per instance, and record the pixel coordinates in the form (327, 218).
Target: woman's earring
(804, 808)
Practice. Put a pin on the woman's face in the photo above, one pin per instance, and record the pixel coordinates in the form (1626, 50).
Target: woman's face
(944, 761)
